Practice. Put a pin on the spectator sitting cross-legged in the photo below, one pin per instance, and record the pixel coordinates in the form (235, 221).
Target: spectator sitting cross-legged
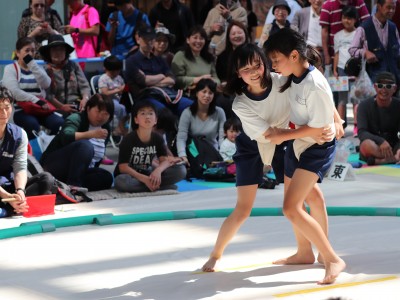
(135, 171)
(39, 23)
(69, 89)
(379, 123)
(202, 119)
(195, 62)
(14, 182)
(28, 81)
(145, 70)
(76, 151)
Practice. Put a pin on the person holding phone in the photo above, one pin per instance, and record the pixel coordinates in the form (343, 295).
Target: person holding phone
(218, 19)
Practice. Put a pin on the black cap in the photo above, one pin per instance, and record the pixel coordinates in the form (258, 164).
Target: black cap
(147, 32)
(384, 77)
(54, 41)
(281, 3)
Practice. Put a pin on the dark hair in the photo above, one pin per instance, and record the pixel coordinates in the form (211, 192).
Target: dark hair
(234, 123)
(24, 41)
(5, 94)
(292, 41)
(350, 11)
(138, 106)
(228, 42)
(112, 63)
(202, 84)
(102, 102)
(380, 2)
(166, 120)
(204, 53)
(121, 2)
(241, 57)
(249, 5)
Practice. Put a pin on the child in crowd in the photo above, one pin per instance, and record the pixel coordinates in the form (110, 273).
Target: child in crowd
(306, 162)
(232, 128)
(112, 84)
(135, 171)
(342, 42)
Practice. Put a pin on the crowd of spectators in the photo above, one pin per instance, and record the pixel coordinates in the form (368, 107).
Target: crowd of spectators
(179, 68)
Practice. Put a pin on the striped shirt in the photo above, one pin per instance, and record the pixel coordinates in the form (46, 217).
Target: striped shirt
(331, 16)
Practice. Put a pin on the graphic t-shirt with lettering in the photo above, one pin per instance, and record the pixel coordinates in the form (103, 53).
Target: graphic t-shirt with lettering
(139, 155)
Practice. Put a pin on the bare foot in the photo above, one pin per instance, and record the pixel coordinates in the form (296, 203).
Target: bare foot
(209, 266)
(296, 259)
(332, 271)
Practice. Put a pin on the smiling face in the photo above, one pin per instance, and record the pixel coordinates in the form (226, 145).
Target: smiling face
(5, 111)
(237, 36)
(281, 13)
(196, 43)
(252, 73)
(25, 50)
(57, 55)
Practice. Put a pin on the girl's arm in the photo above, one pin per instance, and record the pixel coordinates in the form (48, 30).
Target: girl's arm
(335, 64)
(42, 79)
(183, 132)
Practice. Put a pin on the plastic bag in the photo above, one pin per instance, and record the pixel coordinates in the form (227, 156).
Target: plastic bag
(362, 88)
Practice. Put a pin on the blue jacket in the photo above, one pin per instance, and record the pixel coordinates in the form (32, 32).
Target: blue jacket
(12, 139)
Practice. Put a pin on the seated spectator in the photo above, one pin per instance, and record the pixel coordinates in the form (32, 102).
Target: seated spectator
(162, 43)
(218, 19)
(202, 118)
(145, 70)
(236, 35)
(39, 24)
(122, 25)
(280, 10)
(14, 182)
(232, 128)
(379, 123)
(76, 151)
(135, 171)
(84, 27)
(69, 90)
(195, 62)
(27, 81)
(112, 84)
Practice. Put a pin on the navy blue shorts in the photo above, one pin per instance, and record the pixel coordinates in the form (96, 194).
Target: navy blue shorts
(316, 159)
(249, 166)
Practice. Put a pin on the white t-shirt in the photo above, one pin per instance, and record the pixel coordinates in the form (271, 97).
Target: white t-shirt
(314, 30)
(258, 115)
(227, 149)
(311, 103)
(342, 42)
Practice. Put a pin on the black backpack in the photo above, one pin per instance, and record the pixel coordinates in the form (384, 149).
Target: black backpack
(200, 154)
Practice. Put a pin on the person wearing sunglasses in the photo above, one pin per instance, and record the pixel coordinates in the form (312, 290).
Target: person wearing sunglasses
(39, 25)
(379, 123)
